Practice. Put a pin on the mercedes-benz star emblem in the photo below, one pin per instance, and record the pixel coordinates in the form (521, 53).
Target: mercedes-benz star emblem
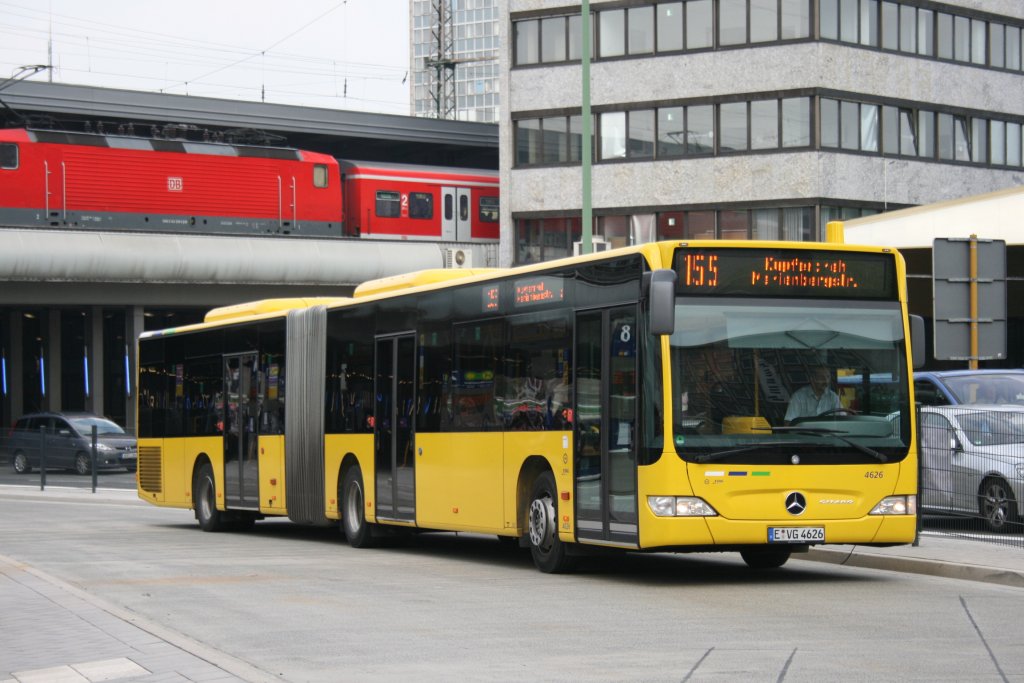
(796, 503)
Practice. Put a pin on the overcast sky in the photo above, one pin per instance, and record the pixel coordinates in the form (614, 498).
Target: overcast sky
(341, 54)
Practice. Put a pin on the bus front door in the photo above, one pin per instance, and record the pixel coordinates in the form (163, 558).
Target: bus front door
(242, 402)
(456, 214)
(605, 424)
(393, 431)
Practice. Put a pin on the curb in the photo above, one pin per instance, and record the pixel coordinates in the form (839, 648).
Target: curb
(866, 559)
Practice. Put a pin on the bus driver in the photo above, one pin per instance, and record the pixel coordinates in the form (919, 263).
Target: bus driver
(814, 399)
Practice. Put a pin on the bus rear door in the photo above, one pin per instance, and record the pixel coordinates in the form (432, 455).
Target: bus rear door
(393, 431)
(242, 405)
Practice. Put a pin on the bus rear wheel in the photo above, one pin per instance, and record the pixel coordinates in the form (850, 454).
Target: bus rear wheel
(358, 532)
(766, 558)
(204, 492)
(550, 554)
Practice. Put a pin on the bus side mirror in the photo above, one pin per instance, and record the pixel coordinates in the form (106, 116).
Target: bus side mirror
(917, 341)
(661, 299)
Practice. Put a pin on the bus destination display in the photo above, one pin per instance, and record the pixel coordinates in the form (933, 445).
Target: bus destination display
(538, 290)
(785, 272)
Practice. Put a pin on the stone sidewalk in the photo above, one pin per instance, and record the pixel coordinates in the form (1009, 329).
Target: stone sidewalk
(56, 633)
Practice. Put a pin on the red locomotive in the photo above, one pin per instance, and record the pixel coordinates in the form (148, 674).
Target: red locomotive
(121, 182)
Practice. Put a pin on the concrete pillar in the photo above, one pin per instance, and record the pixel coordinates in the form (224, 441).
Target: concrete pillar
(53, 399)
(134, 321)
(94, 332)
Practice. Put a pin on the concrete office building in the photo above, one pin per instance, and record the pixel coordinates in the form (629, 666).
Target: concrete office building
(474, 57)
(753, 119)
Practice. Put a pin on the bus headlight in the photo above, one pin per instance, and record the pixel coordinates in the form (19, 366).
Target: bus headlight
(896, 505)
(680, 506)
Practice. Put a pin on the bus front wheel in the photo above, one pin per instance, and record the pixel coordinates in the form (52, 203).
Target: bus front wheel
(358, 532)
(765, 558)
(550, 554)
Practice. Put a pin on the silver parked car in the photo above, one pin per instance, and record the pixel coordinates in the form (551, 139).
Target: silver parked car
(973, 462)
(67, 439)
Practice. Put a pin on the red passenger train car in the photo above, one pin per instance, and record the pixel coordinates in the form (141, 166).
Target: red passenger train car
(61, 179)
(420, 202)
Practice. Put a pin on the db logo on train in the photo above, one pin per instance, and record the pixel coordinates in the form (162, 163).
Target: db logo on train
(175, 184)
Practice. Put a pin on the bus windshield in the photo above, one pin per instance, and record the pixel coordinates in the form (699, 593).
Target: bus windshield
(788, 381)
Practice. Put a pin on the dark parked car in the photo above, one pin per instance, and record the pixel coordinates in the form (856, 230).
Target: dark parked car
(67, 438)
(969, 387)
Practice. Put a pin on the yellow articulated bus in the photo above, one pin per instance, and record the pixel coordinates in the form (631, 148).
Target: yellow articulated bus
(674, 396)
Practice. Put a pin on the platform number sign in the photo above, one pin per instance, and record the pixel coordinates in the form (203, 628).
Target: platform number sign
(175, 184)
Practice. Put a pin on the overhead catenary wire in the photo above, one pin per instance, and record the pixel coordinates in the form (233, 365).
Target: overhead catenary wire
(85, 49)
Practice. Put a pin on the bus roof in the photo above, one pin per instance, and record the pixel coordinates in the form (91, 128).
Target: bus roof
(418, 278)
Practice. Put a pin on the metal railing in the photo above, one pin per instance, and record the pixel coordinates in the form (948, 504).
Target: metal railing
(972, 472)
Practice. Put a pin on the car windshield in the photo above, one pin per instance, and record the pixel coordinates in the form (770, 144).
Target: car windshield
(987, 388)
(103, 426)
(778, 380)
(993, 428)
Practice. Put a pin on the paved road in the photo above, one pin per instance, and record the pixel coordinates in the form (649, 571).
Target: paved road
(295, 604)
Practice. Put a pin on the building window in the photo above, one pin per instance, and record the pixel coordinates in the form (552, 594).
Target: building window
(640, 21)
(527, 42)
(671, 132)
(613, 135)
(641, 134)
(555, 134)
(670, 26)
(553, 40)
(612, 35)
(528, 143)
(732, 22)
(795, 19)
(732, 127)
(796, 122)
(699, 31)
(764, 21)
(764, 124)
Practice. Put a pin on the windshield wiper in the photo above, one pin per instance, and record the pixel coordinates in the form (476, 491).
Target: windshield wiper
(719, 455)
(837, 434)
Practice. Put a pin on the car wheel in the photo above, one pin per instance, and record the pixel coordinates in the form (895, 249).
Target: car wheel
(358, 532)
(766, 558)
(205, 500)
(20, 463)
(550, 554)
(83, 464)
(996, 504)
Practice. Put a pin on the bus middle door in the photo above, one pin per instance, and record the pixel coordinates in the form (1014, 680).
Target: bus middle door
(394, 428)
(605, 423)
(242, 404)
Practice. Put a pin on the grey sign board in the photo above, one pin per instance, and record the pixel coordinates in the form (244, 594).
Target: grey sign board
(951, 295)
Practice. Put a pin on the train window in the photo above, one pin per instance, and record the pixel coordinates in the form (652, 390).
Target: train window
(319, 175)
(8, 155)
(488, 209)
(389, 204)
(464, 208)
(421, 205)
(449, 212)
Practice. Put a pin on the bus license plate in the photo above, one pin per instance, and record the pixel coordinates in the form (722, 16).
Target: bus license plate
(796, 534)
